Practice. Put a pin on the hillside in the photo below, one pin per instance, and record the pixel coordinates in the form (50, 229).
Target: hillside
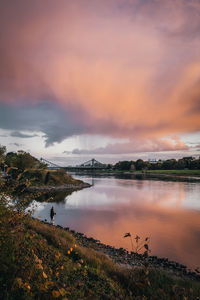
(46, 262)
(24, 169)
(37, 177)
(41, 261)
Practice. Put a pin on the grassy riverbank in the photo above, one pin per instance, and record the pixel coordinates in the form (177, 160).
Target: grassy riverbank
(39, 261)
(166, 175)
(164, 172)
(176, 172)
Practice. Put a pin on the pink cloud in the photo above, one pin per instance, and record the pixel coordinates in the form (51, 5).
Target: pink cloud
(138, 145)
(133, 75)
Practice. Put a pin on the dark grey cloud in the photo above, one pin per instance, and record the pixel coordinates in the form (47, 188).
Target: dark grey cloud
(46, 117)
(58, 123)
(22, 135)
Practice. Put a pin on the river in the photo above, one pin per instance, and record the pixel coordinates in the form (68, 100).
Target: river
(167, 212)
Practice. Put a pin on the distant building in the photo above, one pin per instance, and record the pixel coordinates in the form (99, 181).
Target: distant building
(132, 168)
(188, 158)
(152, 161)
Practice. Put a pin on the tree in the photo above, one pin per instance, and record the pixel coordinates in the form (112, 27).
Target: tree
(2, 153)
(140, 164)
(169, 164)
(22, 160)
(109, 166)
(195, 164)
(123, 165)
(181, 164)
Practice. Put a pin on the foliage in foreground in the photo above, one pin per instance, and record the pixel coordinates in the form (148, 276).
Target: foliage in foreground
(39, 261)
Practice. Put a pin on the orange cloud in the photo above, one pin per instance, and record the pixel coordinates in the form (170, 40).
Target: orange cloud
(132, 74)
(136, 146)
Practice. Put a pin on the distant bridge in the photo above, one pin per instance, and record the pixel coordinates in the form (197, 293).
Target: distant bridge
(91, 164)
(50, 165)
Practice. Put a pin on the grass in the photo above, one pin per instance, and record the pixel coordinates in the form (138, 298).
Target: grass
(176, 172)
(39, 261)
(167, 172)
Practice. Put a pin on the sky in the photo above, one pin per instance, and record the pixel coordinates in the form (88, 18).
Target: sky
(110, 79)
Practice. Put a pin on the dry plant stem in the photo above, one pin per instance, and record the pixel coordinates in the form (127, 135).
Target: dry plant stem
(141, 245)
(131, 243)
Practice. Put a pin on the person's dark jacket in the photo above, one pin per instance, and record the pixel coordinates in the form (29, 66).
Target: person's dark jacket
(52, 213)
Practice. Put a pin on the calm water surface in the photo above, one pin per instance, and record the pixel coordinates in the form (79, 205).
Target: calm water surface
(167, 212)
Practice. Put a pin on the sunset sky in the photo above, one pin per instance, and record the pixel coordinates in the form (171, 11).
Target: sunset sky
(110, 79)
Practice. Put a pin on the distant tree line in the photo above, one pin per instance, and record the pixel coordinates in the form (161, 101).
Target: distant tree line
(169, 164)
(24, 160)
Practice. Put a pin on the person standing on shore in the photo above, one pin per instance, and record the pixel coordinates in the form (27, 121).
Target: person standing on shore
(52, 213)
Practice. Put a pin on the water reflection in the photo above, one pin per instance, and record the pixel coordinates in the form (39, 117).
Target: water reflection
(168, 212)
(57, 197)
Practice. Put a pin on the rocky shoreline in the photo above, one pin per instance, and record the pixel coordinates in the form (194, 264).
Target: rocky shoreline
(59, 188)
(127, 259)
